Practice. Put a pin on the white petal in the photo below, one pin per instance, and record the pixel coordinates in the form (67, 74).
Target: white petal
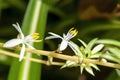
(97, 48)
(31, 47)
(22, 52)
(64, 36)
(12, 43)
(75, 48)
(29, 39)
(63, 45)
(56, 35)
(17, 27)
(50, 37)
(68, 36)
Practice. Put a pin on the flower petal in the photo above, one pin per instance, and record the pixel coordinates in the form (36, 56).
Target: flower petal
(50, 37)
(31, 47)
(56, 35)
(64, 36)
(29, 38)
(63, 45)
(17, 27)
(12, 43)
(22, 52)
(68, 36)
(71, 33)
(75, 48)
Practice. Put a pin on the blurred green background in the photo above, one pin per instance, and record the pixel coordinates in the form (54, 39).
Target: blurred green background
(92, 18)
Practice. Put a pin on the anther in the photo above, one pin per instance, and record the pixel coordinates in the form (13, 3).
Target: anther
(35, 35)
(73, 32)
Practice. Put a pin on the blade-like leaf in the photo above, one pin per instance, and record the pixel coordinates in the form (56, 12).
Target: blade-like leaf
(91, 44)
(97, 48)
(109, 41)
(83, 43)
(82, 68)
(69, 64)
(115, 52)
(110, 57)
(34, 21)
(94, 66)
(118, 72)
(89, 47)
(89, 70)
(97, 55)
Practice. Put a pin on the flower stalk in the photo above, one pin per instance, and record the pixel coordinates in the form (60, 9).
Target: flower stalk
(61, 56)
(31, 59)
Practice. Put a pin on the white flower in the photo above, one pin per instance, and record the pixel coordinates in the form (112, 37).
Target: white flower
(24, 40)
(65, 39)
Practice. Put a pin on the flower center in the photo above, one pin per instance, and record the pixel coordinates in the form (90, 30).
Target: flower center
(18, 36)
(73, 32)
(35, 35)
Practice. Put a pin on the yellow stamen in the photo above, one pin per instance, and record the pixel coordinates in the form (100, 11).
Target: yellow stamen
(38, 40)
(73, 31)
(35, 35)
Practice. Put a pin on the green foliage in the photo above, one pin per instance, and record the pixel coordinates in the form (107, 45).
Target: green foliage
(93, 51)
(84, 52)
(62, 15)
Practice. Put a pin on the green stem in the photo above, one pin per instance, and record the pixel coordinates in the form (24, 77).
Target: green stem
(34, 21)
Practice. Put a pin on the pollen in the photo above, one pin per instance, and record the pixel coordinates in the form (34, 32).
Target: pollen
(35, 35)
(73, 32)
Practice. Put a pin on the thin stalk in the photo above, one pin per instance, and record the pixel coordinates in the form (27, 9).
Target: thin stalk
(31, 59)
(71, 58)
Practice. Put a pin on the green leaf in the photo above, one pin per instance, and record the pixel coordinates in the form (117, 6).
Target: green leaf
(89, 70)
(109, 42)
(89, 47)
(82, 49)
(94, 66)
(34, 21)
(91, 43)
(110, 57)
(115, 51)
(83, 43)
(97, 48)
(69, 64)
(118, 72)
(97, 55)
(82, 66)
